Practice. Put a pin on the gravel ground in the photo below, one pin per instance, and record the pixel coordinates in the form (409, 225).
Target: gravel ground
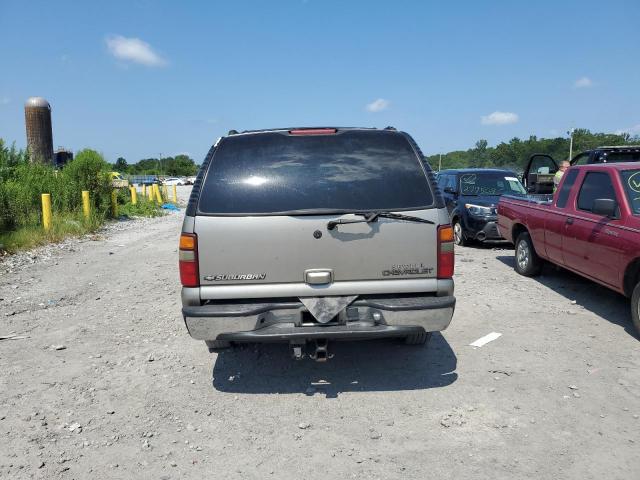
(108, 384)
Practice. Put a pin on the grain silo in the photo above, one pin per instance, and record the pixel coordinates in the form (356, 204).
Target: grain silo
(37, 114)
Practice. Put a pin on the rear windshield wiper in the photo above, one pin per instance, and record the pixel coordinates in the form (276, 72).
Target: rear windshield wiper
(373, 217)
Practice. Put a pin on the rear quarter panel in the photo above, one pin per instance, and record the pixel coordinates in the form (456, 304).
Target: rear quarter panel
(508, 216)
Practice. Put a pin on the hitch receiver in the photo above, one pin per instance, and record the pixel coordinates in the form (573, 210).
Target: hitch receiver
(321, 353)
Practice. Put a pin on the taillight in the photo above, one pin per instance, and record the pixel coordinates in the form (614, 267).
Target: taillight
(188, 260)
(313, 131)
(446, 255)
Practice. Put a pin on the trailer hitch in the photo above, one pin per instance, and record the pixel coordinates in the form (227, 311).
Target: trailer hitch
(321, 352)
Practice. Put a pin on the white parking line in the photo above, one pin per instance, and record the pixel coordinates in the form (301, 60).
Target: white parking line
(486, 339)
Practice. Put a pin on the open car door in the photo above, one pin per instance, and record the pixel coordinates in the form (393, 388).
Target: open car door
(538, 176)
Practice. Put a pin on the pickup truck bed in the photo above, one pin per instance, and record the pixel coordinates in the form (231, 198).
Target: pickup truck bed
(534, 198)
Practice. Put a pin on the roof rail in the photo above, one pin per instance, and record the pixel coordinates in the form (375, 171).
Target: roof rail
(391, 128)
(232, 132)
(618, 146)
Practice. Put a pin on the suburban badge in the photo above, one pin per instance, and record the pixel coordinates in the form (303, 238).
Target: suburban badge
(235, 276)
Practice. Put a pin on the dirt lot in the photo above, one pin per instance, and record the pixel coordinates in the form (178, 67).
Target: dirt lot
(108, 384)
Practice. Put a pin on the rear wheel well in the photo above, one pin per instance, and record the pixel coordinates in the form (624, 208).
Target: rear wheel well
(631, 277)
(517, 229)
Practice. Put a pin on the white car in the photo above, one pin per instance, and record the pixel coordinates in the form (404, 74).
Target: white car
(173, 181)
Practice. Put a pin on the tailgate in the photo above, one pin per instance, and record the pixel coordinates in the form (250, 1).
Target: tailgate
(280, 249)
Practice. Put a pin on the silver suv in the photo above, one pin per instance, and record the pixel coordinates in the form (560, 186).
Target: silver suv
(315, 234)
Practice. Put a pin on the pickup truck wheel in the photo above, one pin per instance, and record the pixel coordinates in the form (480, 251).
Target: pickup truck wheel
(418, 338)
(527, 261)
(458, 234)
(635, 307)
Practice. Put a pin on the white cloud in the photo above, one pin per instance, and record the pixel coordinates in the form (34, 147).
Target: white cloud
(583, 82)
(635, 130)
(499, 118)
(134, 50)
(378, 105)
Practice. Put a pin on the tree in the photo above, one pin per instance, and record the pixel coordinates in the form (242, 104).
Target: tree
(180, 165)
(183, 165)
(120, 165)
(515, 153)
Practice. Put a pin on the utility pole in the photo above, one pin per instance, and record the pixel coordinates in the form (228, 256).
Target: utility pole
(160, 164)
(570, 132)
(440, 162)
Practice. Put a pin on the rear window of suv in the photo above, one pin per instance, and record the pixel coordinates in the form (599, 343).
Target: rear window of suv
(353, 170)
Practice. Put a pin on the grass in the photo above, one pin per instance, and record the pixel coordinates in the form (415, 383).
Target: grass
(62, 226)
(144, 208)
(65, 225)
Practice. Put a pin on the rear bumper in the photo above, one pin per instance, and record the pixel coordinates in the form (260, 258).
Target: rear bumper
(285, 321)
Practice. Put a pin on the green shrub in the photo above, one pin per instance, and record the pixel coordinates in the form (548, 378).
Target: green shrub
(22, 185)
(89, 171)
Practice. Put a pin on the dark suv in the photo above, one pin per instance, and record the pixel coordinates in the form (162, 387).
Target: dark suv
(471, 196)
(539, 173)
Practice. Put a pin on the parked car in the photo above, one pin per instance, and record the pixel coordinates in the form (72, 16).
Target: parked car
(591, 226)
(471, 196)
(173, 181)
(539, 173)
(315, 234)
(189, 180)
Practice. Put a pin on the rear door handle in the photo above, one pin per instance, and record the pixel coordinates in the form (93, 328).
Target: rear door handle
(569, 221)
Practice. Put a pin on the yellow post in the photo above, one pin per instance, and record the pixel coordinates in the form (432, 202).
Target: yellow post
(156, 190)
(165, 191)
(175, 194)
(134, 195)
(114, 203)
(150, 192)
(46, 211)
(144, 190)
(86, 206)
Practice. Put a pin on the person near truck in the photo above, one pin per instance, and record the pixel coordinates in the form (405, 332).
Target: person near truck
(556, 178)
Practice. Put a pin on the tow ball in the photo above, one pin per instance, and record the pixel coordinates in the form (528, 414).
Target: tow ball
(320, 351)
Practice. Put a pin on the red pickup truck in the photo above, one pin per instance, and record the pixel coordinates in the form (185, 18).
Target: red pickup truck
(590, 225)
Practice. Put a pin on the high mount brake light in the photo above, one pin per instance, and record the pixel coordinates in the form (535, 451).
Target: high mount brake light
(446, 255)
(313, 131)
(188, 260)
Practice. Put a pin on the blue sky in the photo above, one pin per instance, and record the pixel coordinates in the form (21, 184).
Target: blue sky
(140, 78)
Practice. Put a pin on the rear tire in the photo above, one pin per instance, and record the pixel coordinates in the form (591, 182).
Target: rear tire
(217, 345)
(635, 308)
(528, 263)
(418, 338)
(458, 234)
